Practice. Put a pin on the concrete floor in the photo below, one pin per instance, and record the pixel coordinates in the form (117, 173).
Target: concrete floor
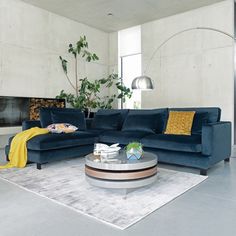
(208, 209)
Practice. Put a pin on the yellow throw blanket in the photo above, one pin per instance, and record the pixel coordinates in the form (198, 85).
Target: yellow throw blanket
(18, 149)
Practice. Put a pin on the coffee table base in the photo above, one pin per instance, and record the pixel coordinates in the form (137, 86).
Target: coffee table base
(121, 184)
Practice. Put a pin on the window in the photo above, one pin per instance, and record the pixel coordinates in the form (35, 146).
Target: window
(130, 65)
(131, 69)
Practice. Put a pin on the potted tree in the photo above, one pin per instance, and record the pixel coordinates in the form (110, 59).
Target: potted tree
(87, 94)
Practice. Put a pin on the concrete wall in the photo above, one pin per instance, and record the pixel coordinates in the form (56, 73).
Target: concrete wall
(194, 68)
(113, 60)
(113, 52)
(31, 40)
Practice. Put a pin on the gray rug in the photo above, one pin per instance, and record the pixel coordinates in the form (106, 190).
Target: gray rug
(64, 182)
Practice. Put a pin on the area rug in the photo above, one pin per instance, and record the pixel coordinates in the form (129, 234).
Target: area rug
(64, 182)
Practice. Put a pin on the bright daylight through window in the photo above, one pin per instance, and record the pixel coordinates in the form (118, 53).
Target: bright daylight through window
(130, 62)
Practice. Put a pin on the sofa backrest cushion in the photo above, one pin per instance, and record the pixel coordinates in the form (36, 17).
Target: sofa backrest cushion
(123, 113)
(46, 117)
(107, 121)
(74, 118)
(214, 113)
(144, 122)
(153, 120)
(200, 118)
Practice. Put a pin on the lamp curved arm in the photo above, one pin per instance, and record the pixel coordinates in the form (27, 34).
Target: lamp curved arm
(180, 32)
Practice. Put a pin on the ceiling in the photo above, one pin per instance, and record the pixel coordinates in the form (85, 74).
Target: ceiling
(126, 13)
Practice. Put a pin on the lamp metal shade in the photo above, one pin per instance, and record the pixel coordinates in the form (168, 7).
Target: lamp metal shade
(142, 82)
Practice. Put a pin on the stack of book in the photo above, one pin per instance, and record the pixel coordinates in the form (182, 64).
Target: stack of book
(106, 151)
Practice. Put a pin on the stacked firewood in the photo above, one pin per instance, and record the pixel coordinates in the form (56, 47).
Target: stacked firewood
(36, 103)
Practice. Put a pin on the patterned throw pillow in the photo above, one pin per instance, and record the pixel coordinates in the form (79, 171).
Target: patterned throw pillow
(180, 122)
(61, 128)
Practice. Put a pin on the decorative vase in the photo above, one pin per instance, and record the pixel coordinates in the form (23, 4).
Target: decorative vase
(134, 153)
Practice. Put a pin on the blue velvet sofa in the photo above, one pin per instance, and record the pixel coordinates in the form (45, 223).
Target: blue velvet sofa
(209, 143)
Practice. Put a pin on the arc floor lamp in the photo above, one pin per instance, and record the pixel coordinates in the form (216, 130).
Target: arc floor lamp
(144, 82)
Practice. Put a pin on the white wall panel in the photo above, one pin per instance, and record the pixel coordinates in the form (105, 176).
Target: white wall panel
(194, 68)
(31, 40)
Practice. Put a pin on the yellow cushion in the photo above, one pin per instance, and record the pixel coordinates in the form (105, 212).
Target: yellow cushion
(180, 122)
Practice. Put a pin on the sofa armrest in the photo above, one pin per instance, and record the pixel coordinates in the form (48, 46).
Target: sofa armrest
(27, 124)
(89, 122)
(216, 140)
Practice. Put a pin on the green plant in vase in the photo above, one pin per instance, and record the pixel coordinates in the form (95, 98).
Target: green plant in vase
(87, 94)
(134, 150)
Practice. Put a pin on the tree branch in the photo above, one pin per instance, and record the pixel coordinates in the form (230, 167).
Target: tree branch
(69, 81)
(76, 76)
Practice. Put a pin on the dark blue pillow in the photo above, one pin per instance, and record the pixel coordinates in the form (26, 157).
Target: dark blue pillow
(107, 122)
(142, 122)
(45, 114)
(123, 113)
(74, 118)
(200, 118)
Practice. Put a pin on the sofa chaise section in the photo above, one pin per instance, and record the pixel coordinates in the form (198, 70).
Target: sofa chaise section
(51, 147)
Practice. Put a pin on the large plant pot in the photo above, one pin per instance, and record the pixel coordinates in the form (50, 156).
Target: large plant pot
(91, 115)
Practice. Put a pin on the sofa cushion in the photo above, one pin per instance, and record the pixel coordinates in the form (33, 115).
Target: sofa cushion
(74, 118)
(96, 132)
(27, 124)
(180, 122)
(123, 113)
(58, 141)
(61, 128)
(173, 142)
(200, 119)
(46, 117)
(214, 113)
(161, 118)
(142, 122)
(107, 121)
(122, 137)
(10, 139)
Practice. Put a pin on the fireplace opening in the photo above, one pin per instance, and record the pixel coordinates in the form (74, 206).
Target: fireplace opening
(14, 110)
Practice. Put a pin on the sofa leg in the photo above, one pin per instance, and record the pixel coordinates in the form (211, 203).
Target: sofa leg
(203, 172)
(227, 160)
(39, 167)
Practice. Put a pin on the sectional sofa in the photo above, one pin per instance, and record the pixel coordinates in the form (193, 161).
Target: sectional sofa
(209, 143)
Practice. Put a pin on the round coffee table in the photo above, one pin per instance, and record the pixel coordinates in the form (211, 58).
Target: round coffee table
(121, 173)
